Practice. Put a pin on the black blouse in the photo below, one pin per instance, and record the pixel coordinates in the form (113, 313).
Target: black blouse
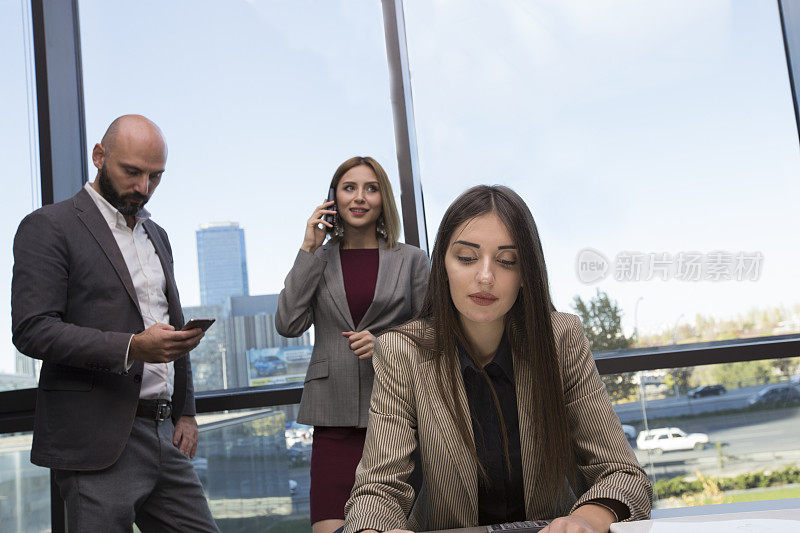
(502, 498)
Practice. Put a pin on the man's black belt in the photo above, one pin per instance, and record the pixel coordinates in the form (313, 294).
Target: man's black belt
(158, 410)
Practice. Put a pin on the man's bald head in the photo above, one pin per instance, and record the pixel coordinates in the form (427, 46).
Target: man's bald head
(130, 161)
(132, 127)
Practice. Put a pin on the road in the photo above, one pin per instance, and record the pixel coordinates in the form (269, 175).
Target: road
(750, 441)
(300, 499)
(684, 406)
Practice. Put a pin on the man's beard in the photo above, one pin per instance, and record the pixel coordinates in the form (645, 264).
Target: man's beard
(120, 202)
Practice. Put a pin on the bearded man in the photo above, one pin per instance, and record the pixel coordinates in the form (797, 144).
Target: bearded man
(94, 297)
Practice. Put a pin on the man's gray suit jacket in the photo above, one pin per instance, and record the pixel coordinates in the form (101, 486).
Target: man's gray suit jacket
(73, 305)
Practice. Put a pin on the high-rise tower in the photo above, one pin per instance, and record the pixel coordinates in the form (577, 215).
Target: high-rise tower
(222, 262)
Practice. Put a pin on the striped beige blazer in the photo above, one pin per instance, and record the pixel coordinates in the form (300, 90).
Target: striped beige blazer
(407, 412)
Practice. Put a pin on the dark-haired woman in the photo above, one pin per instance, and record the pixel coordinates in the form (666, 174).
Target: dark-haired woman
(359, 283)
(497, 390)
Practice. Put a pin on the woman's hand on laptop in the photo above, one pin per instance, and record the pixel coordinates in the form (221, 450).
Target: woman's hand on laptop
(587, 518)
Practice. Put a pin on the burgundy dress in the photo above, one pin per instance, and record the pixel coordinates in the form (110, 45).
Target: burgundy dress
(336, 451)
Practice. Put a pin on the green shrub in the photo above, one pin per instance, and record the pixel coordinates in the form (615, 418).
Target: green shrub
(678, 486)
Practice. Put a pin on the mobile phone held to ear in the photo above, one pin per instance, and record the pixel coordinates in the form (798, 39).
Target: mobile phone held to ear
(331, 198)
(202, 323)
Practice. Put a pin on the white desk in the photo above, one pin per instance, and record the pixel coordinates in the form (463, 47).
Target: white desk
(787, 509)
(645, 526)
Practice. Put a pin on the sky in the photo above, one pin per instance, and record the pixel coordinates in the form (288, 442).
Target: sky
(625, 125)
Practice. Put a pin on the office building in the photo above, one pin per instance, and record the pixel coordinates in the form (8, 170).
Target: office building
(222, 262)
(242, 348)
(208, 359)
(27, 366)
(262, 356)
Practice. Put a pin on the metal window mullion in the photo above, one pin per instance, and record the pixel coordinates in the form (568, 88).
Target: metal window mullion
(59, 96)
(717, 352)
(411, 200)
(17, 406)
(789, 12)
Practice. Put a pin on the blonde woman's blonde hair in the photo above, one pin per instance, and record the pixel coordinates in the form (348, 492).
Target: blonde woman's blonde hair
(388, 208)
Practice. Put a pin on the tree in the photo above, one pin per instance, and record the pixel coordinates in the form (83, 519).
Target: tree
(786, 366)
(678, 378)
(602, 322)
(743, 373)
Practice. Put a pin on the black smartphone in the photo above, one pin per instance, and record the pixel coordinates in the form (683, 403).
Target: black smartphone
(202, 323)
(331, 198)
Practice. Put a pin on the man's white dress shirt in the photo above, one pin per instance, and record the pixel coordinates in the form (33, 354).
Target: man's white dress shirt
(147, 274)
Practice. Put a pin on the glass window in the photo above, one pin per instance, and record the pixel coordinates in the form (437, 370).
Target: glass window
(254, 467)
(24, 487)
(260, 102)
(739, 446)
(19, 151)
(655, 144)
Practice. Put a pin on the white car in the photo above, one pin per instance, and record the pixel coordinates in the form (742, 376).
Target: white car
(668, 439)
(298, 433)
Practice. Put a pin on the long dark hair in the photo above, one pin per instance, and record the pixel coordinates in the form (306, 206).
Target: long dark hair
(528, 325)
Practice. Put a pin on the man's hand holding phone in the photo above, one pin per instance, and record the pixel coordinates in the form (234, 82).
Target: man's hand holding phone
(160, 343)
(202, 323)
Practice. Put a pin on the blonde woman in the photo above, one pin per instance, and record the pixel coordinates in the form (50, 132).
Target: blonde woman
(359, 283)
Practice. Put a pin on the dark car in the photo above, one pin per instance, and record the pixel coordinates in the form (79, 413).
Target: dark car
(706, 390)
(776, 395)
(299, 453)
(270, 366)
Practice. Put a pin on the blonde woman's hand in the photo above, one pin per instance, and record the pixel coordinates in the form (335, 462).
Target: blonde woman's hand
(315, 235)
(362, 343)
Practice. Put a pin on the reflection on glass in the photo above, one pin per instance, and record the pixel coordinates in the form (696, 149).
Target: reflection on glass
(719, 433)
(259, 102)
(24, 488)
(254, 467)
(242, 348)
(19, 153)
